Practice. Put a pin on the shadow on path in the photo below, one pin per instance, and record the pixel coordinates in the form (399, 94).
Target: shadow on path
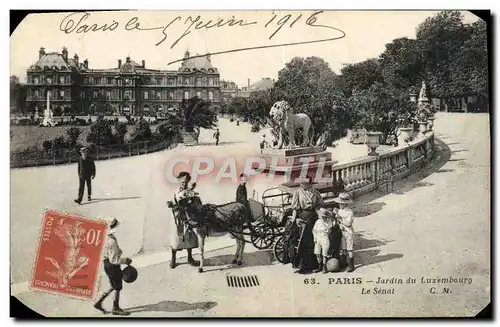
(172, 306)
(111, 199)
(371, 257)
(252, 259)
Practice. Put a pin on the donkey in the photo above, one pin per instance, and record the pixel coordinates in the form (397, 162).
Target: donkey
(213, 220)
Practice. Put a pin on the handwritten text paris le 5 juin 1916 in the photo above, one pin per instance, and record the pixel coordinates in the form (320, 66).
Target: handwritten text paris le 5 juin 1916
(84, 23)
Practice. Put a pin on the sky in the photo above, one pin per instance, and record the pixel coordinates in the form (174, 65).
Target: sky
(366, 33)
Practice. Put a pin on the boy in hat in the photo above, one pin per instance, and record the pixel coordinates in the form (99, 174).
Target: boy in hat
(86, 172)
(112, 260)
(321, 234)
(345, 219)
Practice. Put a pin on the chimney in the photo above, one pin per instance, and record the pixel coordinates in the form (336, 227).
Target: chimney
(86, 64)
(127, 59)
(208, 58)
(144, 64)
(186, 54)
(41, 53)
(119, 63)
(75, 58)
(65, 53)
(249, 83)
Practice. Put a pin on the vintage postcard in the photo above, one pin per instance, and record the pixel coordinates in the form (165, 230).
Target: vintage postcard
(250, 164)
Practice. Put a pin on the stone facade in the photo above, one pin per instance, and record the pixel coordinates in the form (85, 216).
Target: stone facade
(129, 88)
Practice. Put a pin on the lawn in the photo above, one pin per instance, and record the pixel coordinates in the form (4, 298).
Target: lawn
(25, 136)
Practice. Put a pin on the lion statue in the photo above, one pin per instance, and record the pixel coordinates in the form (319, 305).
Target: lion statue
(283, 118)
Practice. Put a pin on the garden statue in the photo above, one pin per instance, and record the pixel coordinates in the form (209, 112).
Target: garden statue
(283, 119)
(48, 114)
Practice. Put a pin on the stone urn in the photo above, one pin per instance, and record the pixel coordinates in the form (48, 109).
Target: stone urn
(431, 123)
(423, 127)
(373, 141)
(405, 134)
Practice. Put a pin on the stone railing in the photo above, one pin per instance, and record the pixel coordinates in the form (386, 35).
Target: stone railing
(371, 172)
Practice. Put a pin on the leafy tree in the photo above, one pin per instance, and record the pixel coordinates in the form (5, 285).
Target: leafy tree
(440, 39)
(361, 76)
(383, 109)
(120, 132)
(196, 114)
(73, 134)
(400, 64)
(142, 131)
(17, 95)
(170, 128)
(101, 133)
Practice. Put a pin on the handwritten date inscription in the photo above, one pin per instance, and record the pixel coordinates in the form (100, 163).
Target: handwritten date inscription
(80, 23)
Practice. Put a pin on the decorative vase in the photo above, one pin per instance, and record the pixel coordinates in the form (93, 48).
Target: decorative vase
(431, 123)
(373, 141)
(423, 127)
(405, 134)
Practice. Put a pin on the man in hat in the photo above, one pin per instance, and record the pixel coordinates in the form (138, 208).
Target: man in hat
(345, 218)
(263, 143)
(86, 172)
(112, 259)
(217, 136)
(241, 194)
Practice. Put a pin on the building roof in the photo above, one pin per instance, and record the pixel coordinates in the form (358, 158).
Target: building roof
(197, 63)
(50, 60)
(261, 85)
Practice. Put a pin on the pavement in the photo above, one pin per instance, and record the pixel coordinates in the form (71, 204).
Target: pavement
(434, 224)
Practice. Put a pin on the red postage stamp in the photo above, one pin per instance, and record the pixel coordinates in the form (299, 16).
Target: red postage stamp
(69, 253)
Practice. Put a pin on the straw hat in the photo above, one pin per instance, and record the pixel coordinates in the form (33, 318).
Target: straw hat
(343, 198)
(113, 225)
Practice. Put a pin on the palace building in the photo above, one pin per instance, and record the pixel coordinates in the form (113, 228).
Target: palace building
(129, 88)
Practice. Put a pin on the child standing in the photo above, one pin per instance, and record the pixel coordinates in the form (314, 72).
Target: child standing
(345, 219)
(263, 143)
(321, 234)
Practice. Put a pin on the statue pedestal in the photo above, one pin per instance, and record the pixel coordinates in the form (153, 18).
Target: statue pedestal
(299, 162)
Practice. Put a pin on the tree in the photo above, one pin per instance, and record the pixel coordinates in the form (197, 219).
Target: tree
(197, 114)
(401, 64)
(383, 109)
(73, 135)
(142, 131)
(101, 132)
(170, 128)
(361, 76)
(440, 39)
(17, 95)
(120, 132)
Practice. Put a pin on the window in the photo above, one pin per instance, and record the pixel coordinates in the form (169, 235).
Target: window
(108, 95)
(198, 81)
(170, 95)
(128, 94)
(158, 95)
(61, 94)
(35, 79)
(36, 94)
(49, 80)
(159, 80)
(109, 81)
(94, 95)
(62, 80)
(210, 95)
(210, 81)
(198, 94)
(186, 94)
(82, 95)
(85, 80)
(171, 81)
(146, 94)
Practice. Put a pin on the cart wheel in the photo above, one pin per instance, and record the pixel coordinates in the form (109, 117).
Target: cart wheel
(279, 249)
(262, 237)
